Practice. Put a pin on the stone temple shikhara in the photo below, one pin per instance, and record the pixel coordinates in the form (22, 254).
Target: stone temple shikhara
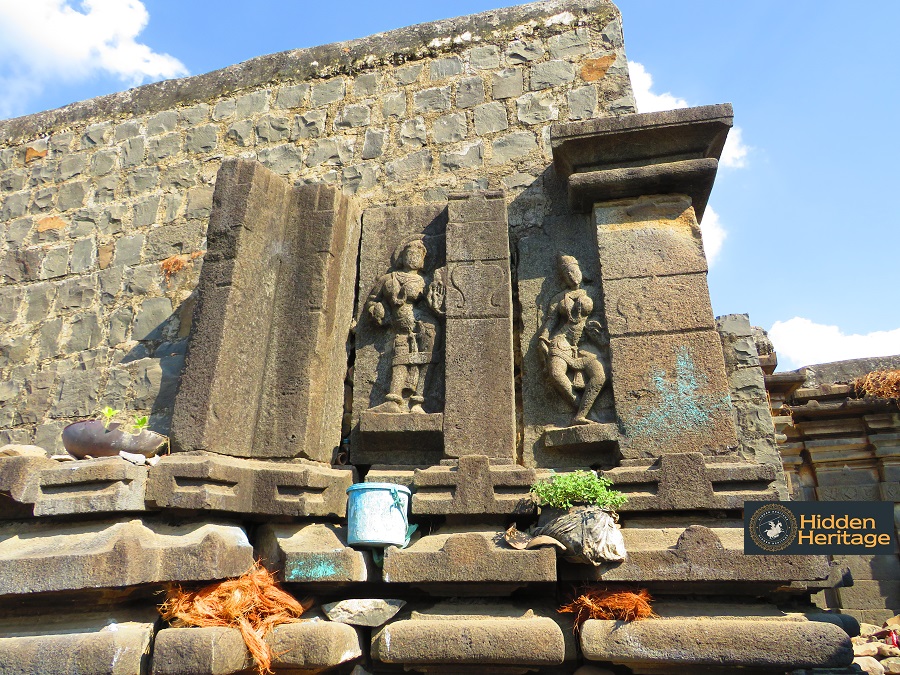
(451, 257)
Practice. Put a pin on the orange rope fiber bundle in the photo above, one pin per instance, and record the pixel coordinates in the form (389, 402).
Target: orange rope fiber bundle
(880, 383)
(618, 605)
(252, 603)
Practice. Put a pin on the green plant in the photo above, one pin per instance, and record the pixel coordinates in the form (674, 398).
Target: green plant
(139, 423)
(578, 487)
(109, 415)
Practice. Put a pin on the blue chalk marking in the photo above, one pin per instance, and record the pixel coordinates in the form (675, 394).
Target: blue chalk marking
(682, 408)
(314, 568)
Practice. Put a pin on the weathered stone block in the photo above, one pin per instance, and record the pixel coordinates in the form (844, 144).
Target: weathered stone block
(867, 594)
(490, 117)
(114, 644)
(397, 436)
(684, 481)
(702, 555)
(473, 487)
(533, 108)
(649, 236)
(450, 128)
(507, 83)
(314, 553)
(469, 156)
(551, 74)
(469, 557)
(513, 146)
(309, 646)
(480, 640)
(432, 100)
(657, 304)
(327, 92)
(200, 651)
(268, 280)
(479, 321)
(716, 642)
(674, 400)
(88, 486)
(55, 557)
(205, 481)
(469, 92)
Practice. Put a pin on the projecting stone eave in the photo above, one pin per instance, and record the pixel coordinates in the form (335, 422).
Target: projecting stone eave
(324, 61)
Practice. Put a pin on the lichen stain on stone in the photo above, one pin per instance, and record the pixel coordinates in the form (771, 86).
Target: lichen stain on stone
(682, 407)
(314, 568)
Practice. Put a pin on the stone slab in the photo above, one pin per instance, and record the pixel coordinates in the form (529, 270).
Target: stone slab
(639, 143)
(650, 236)
(675, 398)
(479, 351)
(699, 554)
(870, 594)
(104, 485)
(309, 646)
(686, 642)
(469, 557)
(417, 438)
(583, 436)
(17, 476)
(278, 273)
(315, 552)
(206, 481)
(200, 651)
(658, 304)
(693, 177)
(543, 408)
(111, 644)
(473, 486)
(40, 557)
(386, 230)
(468, 640)
(686, 481)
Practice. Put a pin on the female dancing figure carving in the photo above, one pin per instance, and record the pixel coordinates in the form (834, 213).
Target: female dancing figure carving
(570, 367)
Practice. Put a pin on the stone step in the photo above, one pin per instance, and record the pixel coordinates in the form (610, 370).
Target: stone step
(459, 635)
(37, 557)
(314, 552)
(113, 644)
(310, 645)
(762, 643)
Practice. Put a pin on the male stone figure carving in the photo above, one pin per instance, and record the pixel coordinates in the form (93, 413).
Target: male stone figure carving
(396, 301)
(559, 340)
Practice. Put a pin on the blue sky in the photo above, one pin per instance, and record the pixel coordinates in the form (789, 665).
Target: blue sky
(804, 214)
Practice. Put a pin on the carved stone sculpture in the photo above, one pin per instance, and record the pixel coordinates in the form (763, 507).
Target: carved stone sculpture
(399, 300)
(569, 366)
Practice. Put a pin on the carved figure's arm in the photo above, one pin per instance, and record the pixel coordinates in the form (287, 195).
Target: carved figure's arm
(596, 335)
(549, 325)
(375, 307)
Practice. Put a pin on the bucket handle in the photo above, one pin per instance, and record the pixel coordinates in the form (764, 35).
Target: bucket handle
(398, 503)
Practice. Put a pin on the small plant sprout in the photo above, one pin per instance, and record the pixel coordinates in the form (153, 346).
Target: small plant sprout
(140, 423)
(578, 487)
(109, 414)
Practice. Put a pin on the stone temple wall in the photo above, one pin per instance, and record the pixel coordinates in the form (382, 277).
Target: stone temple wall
(450, 258)
(104, 204)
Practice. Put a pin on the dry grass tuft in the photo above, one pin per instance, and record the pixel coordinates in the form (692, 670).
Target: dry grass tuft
(252, 603)
(880, 384)
(601, 604)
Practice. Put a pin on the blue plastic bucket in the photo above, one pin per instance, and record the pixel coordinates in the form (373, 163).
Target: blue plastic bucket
(376, 514)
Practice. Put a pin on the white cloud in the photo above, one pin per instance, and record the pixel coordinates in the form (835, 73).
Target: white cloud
(734, 154)
(647, 100)
(801, 342)
(714, 234)
(47, 41)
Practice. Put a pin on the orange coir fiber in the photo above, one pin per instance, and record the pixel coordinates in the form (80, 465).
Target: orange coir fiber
(601, 604)
(880, 384)
(253, 603)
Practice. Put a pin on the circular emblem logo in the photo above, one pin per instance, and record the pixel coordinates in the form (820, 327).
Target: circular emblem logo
(773, 527)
